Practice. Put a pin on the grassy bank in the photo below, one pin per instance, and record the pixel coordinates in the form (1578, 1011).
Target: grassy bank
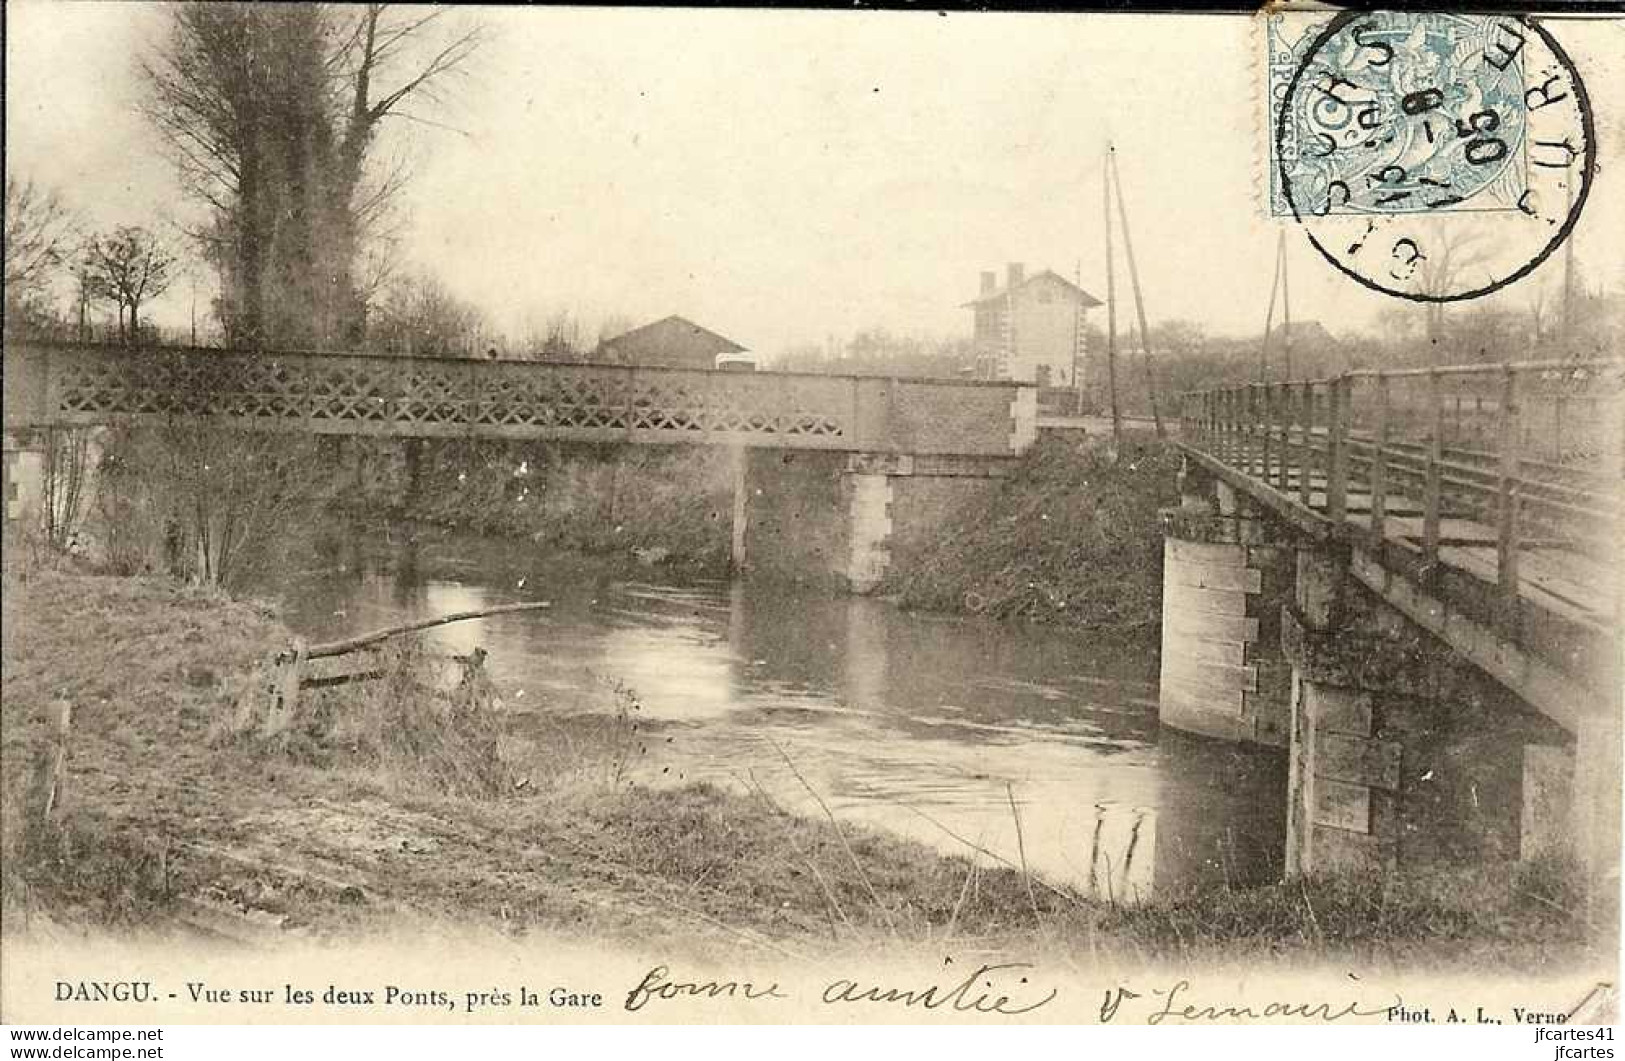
(671, 505)
(1070, 538)
(163, 812)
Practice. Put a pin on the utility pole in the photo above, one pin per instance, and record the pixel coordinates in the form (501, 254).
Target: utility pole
(1111, 302)
(1269, 319)
(1139, 302)
(1568, 282)
(1286, 308)
(1077, 343)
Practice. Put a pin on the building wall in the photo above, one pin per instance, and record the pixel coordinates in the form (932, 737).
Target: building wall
(1047, 322)
(1045, 334)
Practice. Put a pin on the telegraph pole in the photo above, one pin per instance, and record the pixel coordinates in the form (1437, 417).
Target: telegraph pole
(1139, 302)
(1111, 302)
(1286, 308)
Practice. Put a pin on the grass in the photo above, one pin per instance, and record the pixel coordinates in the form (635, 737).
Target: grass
(670, 503)
(424, 719)
(1063, 540)
(383, 811)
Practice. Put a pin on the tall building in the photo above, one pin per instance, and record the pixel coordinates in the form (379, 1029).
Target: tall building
(1031, 329)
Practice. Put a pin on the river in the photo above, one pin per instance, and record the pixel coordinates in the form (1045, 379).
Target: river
(924, 726)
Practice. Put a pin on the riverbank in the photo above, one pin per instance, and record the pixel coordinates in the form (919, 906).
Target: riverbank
(1072, 537)
(163, 822)
(652, 505)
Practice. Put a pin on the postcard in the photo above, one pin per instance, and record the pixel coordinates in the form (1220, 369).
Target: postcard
(673, 516)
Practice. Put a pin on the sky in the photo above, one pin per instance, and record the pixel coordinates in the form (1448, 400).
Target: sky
(783, 176)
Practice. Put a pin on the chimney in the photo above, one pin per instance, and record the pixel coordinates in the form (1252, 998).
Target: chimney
(1015, 273)
(990, 280)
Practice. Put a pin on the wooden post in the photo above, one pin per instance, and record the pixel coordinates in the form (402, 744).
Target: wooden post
(1307, 453)
(1337, 456)
(49, 767)
(1379, 464)
(474, 686)
(1284, 400)
(284, 692)
(1251, 417)
(1265, 418)
(1232, 418)
(1431, 491)
(1508, 492)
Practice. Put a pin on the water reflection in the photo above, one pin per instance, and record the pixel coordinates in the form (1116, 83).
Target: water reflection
(923, 726)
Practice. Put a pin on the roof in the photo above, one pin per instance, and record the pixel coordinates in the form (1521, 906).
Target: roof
(675, 329)
(1083, 296)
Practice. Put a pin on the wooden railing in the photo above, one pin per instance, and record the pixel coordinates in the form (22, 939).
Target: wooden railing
(1533, 452)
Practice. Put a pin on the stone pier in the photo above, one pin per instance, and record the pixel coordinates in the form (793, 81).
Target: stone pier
(1226, 574)
(24, 478)
(1401, 753)
(841, 520)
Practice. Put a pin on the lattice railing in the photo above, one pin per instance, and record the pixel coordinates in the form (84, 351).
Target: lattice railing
(404, 396)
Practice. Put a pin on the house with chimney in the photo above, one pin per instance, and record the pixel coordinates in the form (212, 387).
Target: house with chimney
(674, 341)
(1031, 328)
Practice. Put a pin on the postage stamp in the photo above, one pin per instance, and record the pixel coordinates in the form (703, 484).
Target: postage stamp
(1395, 133)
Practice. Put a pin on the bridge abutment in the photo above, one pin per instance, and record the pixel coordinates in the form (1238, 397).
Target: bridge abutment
(1226, 573)
(842, 519)
(1401, 756)
(1401, 753)
(24, 478)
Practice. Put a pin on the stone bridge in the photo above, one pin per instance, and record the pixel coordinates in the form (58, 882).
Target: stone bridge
(1411, 582)
(830, 470)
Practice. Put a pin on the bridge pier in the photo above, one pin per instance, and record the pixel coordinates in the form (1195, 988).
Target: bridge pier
(1226, 574)
(24, 478)
(842, 519)
(1401, 755)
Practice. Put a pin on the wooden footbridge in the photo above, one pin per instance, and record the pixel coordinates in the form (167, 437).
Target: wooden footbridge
(1485, 502)
(67, 384)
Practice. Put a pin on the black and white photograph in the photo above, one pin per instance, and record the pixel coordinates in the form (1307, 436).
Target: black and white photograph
(595, 515)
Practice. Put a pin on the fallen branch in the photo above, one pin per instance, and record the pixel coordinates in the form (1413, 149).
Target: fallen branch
(350, 644)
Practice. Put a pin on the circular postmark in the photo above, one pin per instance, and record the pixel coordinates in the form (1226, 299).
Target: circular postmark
(1435, 157)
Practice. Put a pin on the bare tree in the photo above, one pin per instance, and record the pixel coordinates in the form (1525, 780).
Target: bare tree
(40, 233)
(271, 113)
(613, 325)
(420, 315)
(1444, 263)
(129, 266)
